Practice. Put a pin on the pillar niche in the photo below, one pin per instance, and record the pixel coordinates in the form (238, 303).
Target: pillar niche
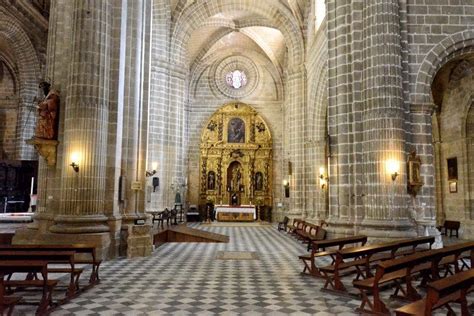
(86, 116)
(383, 122)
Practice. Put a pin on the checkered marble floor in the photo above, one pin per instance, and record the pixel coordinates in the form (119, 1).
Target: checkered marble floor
(188, 279)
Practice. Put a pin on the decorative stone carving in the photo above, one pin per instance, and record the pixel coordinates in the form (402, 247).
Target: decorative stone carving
(46, 148)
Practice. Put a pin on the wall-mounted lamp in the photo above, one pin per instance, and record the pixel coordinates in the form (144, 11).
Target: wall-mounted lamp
(75, 162)
(393, 167)
(323, 179)
(154, 166)
(286, 185)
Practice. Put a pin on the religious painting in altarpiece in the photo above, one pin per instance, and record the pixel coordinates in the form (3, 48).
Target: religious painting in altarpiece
(236, 165)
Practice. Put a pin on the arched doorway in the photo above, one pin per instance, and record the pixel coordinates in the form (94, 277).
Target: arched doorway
(453, 134)
(236, 158)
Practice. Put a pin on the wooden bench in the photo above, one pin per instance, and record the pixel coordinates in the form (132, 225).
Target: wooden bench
(81, 249)
(9, 267)
(360, 259)
(297, 224)
(7, 303)
(442, 293)
(320, 235)
(318, 249)
(283, 224)
(49, 257)
(308, 232)
(451, 225)
(403, 269)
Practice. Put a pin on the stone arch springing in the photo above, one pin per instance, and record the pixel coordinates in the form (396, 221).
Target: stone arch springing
(452, 46)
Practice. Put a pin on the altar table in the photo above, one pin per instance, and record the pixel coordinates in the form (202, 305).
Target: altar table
(242, 213)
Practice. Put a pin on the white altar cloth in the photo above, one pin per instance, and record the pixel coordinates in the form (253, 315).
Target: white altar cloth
(236, 209)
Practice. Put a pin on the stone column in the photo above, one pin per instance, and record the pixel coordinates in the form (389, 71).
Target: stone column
(295, 116)
(383, 122)
(58, 55)
(86, 118)
(344, 105)
(135, 41)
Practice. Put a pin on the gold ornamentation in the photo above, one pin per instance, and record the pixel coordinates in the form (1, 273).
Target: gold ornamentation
(248, 149)
(46, 148)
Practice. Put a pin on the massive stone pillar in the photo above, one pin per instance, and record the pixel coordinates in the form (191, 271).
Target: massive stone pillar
(80, 62)
(86, 116)
(344, 122)
(383, 121)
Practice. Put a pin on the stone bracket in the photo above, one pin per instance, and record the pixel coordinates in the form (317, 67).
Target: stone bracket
(46, 148)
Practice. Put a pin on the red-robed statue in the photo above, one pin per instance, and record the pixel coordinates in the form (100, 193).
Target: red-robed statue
(48, 110)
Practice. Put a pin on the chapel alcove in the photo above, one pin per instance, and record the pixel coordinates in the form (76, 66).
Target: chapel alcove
(236, 158)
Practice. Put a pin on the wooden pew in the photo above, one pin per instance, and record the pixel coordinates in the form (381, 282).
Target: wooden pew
(87, 249)
(49, 257)
(403, 269)
(8, 267)
(283, 224)
(7, 303)
(361, 259)
(297, 224)
(320, 235)
(308, 232)
(318, 249)
(441, 293)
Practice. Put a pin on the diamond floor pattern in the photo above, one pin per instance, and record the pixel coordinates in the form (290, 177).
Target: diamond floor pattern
(187, 279)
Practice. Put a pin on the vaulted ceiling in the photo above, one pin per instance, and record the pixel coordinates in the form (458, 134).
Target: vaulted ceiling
(243, 30)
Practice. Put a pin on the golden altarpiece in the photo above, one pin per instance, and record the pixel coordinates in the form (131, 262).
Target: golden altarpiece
(236, 158)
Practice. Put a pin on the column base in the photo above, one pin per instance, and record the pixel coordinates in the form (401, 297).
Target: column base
(102, 241)
(376, 230)
(80, 224)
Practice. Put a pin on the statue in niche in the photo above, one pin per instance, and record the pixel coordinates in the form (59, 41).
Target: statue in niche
(211, 180)
(48, 108)
(236, 177)
(236, 131)
(258, 181)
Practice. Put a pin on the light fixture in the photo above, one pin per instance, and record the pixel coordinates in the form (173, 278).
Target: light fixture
(393, 167)
(154, 166)
(75, 161)
(323, 179)
(286, 185)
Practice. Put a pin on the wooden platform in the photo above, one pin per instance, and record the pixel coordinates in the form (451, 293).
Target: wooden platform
(182, 233)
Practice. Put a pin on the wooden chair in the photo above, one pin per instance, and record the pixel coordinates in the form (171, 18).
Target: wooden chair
(283, 224)
(451, 225)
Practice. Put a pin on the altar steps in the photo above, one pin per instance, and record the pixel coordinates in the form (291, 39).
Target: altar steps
(183, 233)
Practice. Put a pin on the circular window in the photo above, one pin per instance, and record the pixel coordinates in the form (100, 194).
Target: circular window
(236, 79)
(235, 76)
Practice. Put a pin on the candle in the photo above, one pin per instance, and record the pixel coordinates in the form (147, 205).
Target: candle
(32, 184)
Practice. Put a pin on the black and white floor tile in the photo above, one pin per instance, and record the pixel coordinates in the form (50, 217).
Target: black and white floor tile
(189, 279)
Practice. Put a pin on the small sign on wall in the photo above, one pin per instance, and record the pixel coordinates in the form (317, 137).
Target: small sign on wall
(137, 186)
(453, 187)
